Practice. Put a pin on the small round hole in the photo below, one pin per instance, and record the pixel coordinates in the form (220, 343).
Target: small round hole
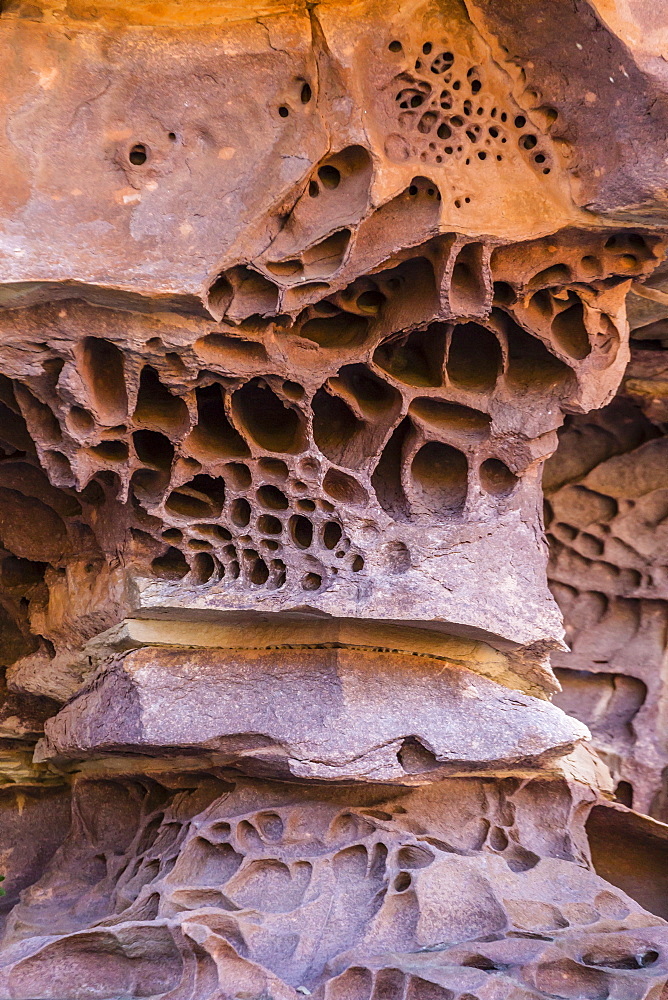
(329, 176)
(138, 154)
(520, 121)
(332, 534)
(283, 111)
(269, 525)
(395, 46)
(272, 498)
(172, 535)
(171, 136)
(301, 530)
(371, 300)
(306, 93)
(402, 882)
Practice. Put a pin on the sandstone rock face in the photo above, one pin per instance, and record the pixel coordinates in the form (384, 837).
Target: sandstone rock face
(307, 311)
(318, 713)
(609, 570)
(343, 395)
(203, 887)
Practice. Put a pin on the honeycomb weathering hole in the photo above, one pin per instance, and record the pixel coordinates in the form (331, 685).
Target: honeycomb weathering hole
(326, 257)
(272, 498)
(569, 330)
(170, 566)
(153, 448)
(138, 154)
(217, 348)
(415, 358)
(387, 478)
(443, 415)
(467, 289)
(240, 512)
(342, 330)
(531, 367)
(267, 420)
(344, 488)
(496, 478)
(103, 370)
(474, 359)
(220, 296)
(440, 475)
(301, 530)
(335, 428)
(157, 408)
(214, 437)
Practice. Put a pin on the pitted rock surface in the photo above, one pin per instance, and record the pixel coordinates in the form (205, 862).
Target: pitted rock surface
(201, 888)
(305, 309)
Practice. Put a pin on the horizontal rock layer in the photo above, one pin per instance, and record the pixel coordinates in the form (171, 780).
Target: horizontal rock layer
(330, 714)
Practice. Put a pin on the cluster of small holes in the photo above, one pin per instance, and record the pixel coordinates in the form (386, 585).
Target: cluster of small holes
(268, 521)
(302, 96)
(215, 849)
(328, 177)
(233, 522)
(398, 422)
(600, 538)
(249, 519)
(259, 523)
(444, 112)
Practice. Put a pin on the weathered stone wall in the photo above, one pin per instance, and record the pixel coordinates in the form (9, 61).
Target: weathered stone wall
(332, 374)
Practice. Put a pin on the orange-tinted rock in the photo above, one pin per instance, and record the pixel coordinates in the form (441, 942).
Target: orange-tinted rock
(294, 300)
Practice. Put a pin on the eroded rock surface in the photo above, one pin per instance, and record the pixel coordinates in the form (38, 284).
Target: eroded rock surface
(607, 498)
(294, 302)
(204, 887)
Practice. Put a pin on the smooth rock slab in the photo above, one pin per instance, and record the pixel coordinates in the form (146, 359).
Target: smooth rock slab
(312, 713)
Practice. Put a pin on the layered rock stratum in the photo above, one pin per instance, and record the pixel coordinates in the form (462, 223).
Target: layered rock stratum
(333, 500)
